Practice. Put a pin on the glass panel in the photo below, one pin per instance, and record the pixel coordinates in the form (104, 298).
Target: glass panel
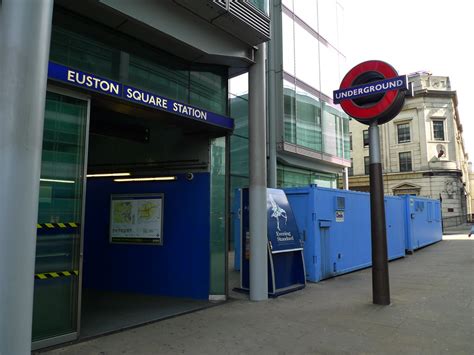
(438, 130)
(329, 132)
(239, 111)
(308, 120)
(288, 4)
(347, 138)
(153, 70)
(308, 12)
(159, 78)
(208, 91)
(403, 131)
(405, 161)
(262, 5)
(240, 155)
(327, 15)
(307, 57)
(289, 97)
(293, 177)
(217, 247)
(288, 34)
(330, 75)
(84, 53)
(350, 170)
(365, 135)
(60, 205)
(366, 165)
(239, 85)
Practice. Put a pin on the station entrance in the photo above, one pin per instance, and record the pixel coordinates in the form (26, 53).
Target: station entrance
(131, 224)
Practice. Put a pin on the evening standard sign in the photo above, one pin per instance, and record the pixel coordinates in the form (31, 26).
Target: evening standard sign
(376, 87)
(125, 92)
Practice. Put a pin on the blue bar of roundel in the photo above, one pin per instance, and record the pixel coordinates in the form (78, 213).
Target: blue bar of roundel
(402, 86)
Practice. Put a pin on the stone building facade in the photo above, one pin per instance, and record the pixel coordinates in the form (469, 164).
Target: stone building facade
(423, 152)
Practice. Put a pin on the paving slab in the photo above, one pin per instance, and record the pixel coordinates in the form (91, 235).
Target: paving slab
(432, 312)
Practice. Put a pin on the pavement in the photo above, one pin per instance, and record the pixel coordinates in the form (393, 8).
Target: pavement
(432, 312)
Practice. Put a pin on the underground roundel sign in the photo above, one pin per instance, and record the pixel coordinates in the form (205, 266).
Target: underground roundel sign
(372, 91)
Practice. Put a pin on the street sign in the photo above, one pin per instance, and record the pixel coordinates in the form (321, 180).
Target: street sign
(372, 91)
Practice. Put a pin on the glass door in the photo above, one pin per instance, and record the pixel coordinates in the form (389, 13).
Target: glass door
(58, 247)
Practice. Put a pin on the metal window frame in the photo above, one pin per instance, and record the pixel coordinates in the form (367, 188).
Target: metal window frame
(442, 121)
(365, 139)
(55, 340)
(408, 154)
(399, 141)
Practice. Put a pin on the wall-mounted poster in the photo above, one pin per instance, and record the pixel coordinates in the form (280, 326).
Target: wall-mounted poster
(136, 219)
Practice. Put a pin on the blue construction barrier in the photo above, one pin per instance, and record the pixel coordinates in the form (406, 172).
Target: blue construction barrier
(336, 229)
(423, 222)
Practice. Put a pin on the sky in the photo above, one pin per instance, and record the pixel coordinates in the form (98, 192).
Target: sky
(417, 35)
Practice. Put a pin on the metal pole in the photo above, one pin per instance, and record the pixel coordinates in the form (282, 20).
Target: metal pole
(258, 179)
(24, 50)
(380, 281)
(273, 101)
(345, 176)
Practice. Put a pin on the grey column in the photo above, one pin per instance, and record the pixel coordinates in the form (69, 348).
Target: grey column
(24, 50)
(275, 84)
(258, 179)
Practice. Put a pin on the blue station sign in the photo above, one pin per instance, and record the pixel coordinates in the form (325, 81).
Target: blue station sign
(376, 87)
(109, 87)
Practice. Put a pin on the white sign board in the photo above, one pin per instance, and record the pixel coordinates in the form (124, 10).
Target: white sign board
(136, 219)
(339, 216)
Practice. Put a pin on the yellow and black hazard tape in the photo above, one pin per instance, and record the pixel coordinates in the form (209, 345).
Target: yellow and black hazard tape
(57, 225)
(53, 275)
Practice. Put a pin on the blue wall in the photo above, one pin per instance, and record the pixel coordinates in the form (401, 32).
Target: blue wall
(180, 267)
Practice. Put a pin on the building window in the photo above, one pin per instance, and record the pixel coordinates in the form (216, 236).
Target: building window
(438, 130)
(403, 132)
(350, 141)
(405, 161)
(366, 138)
(350, 170)
(366, 165)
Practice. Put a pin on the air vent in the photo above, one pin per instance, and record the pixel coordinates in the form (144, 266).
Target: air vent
(251, 16)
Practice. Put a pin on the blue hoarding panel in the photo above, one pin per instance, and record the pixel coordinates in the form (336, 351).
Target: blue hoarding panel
(179, 267)
(423, 222)
(336, 229)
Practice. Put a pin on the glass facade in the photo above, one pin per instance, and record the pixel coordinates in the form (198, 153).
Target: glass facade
(239, 141)
(312, 63)
(59, 217)
(294, 177)
(217, 217)
(262, 5)
(94, 49)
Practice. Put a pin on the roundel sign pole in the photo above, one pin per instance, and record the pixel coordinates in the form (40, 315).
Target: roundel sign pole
(373, 93)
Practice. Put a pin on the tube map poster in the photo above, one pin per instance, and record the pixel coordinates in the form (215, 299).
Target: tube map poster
(136, 219)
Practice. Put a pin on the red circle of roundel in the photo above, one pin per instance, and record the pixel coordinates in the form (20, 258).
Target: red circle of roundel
(367, 113)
